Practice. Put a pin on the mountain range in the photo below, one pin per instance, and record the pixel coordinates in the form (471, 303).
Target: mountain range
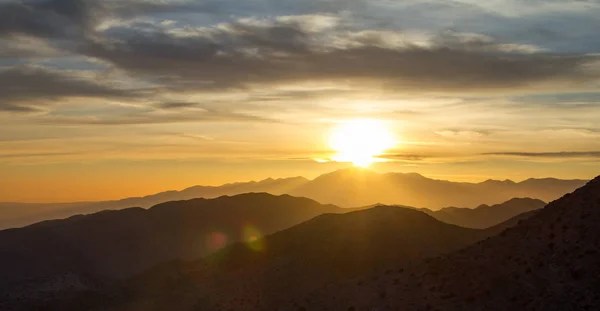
(326, 248)
(345, 188)
(137, 238)
(88, 251)
(322, 258)
(388, 258)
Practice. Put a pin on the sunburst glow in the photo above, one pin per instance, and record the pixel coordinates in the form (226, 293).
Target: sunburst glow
(361, 141)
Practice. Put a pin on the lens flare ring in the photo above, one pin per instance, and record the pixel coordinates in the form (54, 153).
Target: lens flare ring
(253, 238)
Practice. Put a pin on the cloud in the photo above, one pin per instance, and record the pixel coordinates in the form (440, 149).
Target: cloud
(156, 117)
(26, 47)
(35, 155)
(405, 157)
(482, 43)
(124, 8)
(557, 155)
(49, 18)
(26, 88)
(251, 52)
(581, 100)
(77, 18)
(176, 105)
(8, 107)
(461, 133)
(256, 51)
(582, 132)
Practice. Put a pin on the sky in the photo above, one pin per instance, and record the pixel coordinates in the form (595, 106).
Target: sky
(109, 99)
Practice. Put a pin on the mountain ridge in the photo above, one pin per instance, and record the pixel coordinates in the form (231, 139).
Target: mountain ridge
(485, 216)
(325, 248)
(298, 260)
(545, 261)
(346, 188)
(384, 257)
(119, 243)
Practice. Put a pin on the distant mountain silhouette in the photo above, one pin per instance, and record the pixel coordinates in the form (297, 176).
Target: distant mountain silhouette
(485, 216)
(550, 261)
(117, 244)
(373, 260)
(13, 215)
(359, 187)
(346, 188)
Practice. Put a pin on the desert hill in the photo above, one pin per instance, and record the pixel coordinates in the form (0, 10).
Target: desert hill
(485, 216)
(511, 222)
(326, 249)
(549, 261)
(118, 244)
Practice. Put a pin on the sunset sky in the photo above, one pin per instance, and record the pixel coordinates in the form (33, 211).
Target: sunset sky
(109, 99)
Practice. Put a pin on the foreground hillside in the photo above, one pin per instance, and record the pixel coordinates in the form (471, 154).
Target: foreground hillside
(345, 188)
(74, 249)
(291, 263)
(117, 244)
(548, 262)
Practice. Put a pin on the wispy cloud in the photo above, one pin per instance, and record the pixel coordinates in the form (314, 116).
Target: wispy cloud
(25, 86)
(558, 155)
(462, 134)
(405, 157)
(36, 155)
(154, 118)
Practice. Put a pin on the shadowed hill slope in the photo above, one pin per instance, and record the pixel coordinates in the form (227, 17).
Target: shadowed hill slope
(326, 249)
(485, 216)
(499, 228)
(548, 262)
(116, 244)
(270, 272)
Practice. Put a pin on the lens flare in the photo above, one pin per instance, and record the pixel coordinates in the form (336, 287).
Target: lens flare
(216, 241)
(252, 237)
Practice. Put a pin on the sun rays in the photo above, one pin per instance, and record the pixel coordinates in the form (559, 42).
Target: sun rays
(360, 141)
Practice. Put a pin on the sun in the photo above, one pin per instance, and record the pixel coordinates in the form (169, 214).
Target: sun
(360, 141)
